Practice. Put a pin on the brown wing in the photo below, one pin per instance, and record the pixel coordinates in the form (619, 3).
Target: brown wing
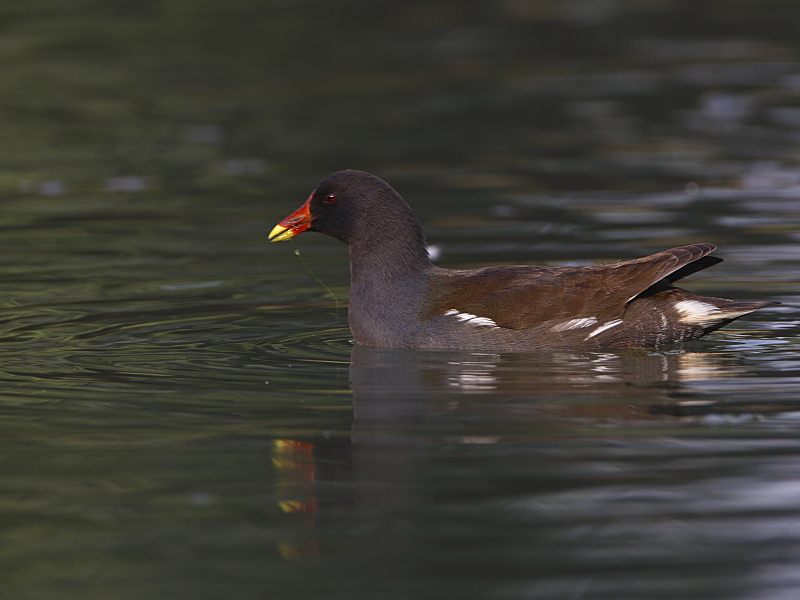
(524, 297)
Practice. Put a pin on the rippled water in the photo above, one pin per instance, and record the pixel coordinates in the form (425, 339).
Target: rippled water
(183, 412)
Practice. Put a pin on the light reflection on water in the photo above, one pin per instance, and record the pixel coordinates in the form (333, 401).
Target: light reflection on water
(538, 490)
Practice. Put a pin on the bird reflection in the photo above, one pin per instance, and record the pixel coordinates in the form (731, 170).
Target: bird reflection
(413, 409)
(391, 387)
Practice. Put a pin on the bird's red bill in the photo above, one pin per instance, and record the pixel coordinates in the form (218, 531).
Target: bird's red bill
(295, 223)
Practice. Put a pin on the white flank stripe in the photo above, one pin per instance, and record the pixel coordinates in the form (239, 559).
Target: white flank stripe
(471, 319)
(603, 327)
(575, 324)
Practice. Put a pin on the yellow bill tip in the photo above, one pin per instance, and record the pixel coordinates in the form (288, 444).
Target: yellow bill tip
(279, 234)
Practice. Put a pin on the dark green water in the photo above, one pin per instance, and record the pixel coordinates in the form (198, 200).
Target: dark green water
(182, 413)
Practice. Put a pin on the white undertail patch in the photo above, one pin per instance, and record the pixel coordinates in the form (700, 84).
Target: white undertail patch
(474, 320)
(575, 324)
(694, 311)
(603, 327)
(702, 313)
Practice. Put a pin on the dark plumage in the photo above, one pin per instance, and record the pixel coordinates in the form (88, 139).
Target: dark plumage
(398, 299)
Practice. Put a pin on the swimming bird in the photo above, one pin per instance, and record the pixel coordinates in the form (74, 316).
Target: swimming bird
(399, 299)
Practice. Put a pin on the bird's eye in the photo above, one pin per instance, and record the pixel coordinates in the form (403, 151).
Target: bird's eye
(329, 199)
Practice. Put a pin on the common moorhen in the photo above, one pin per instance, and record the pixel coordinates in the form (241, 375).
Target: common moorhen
(399, 299)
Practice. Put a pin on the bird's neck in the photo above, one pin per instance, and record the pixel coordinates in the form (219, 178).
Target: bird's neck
(387, 283)
(388, 254)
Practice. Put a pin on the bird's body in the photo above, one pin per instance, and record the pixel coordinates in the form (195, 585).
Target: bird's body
(399, 299)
